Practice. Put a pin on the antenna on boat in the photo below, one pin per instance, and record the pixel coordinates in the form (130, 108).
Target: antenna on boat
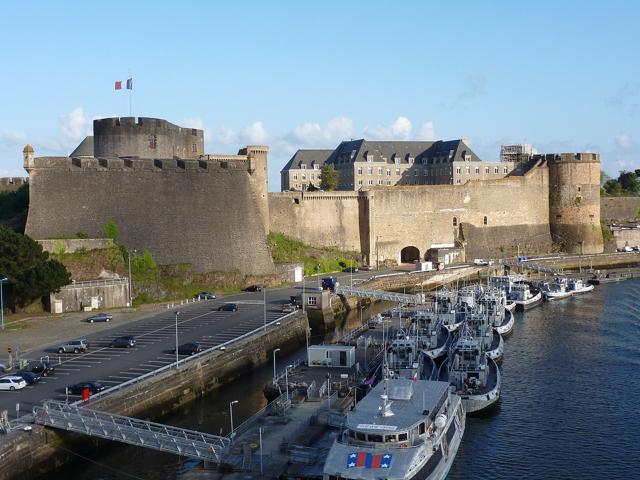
(385, 407)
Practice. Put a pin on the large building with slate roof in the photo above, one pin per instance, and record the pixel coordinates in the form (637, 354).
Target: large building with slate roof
(364, 163)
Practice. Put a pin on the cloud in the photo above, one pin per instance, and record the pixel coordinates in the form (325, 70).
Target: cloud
(12, 138)
(314, 135)
(426, 132)
(400, 129)
(624, 142)
(74, 126)
(474, 86)
(225, 135)
(254, 134)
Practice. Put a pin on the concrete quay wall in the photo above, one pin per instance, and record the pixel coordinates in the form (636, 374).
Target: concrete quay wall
(29, 455)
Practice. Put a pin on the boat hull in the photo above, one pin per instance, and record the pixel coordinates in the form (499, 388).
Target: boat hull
(497, 348)
(476, 403)
(506, 328)
(550, 296)
(522, 305)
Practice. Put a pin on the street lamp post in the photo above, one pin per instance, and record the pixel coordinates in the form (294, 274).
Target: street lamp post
(286, 381)
(231, 404)
(318, 269)
(2, 280)
(274, 364)
(130, 281)
(264, 297)
(177, 313)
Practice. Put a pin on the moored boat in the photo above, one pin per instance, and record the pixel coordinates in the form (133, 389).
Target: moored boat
(577, 286)
(557, 289)
(525, 296)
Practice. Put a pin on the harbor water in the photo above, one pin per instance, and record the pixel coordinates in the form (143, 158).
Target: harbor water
(570, 404)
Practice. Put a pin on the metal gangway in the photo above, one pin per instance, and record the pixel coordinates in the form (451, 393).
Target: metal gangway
(404, 298)
(187, 443)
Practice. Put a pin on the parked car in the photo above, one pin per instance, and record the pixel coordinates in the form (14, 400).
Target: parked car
(480, 262)
(206, 296)
(350, 270)
(75, 346)
(228, 307)
(289, 307)
(189, 348)
(94, 387)
(253, 288)
(100, 317)
(41, 368)
(123, 342)
(30, 378)
(368, 268)
(12, 382)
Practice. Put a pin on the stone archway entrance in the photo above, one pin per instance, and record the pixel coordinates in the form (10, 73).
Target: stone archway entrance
(409, 254)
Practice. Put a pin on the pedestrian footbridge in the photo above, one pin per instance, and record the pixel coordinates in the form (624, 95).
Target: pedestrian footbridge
(187, 443)
(404, 298)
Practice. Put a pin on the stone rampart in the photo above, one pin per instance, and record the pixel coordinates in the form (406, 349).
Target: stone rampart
(208, 213)
(620, 209)
(96, 294)
(11, 184)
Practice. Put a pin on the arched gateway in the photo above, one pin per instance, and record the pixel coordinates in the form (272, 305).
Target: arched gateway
(409, 254)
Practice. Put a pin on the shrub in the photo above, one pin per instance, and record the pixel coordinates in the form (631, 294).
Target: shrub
(111, 230)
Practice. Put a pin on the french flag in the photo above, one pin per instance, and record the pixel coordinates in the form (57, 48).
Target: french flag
(368, 460)
(118, 85)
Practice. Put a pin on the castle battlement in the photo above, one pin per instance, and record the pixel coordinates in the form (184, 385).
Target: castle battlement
(9, 184)
(555, 158)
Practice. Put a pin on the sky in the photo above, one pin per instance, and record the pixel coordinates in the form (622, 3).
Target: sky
(563, 76)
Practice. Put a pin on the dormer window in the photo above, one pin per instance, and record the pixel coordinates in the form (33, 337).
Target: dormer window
(369, 157)
(316, 166)
(411, 160)
(303, 166)
(467, 157)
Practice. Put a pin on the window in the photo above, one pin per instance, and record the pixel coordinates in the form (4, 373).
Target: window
(396, 159)
(415, 173)
(370, 171)
(411, 159)
(303, 166)
(369, 158)
(455, 222)
(486, 170)
(359, 182)
(424, 172)
(484, 220)
(390, 438)
(458, 170)
(316, 166)
(361, 436)
(374, 438)
(194, 148)
(467, 157)
(402, 437)
(397, 171)
(477, 170)
(312, 301)
(468, 170)
(380, 182)
(388, 182)
(359, 170)
(313, 176)
(506, 170)
(458, 181)
(370, 182)
(295, 176)
(304, 177)
(388, 172)
(578, 189)
(495, 170)
(422, 428)
(379, 171)
(153, 142)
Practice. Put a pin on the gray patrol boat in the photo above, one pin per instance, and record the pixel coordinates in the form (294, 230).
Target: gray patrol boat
(401, 430)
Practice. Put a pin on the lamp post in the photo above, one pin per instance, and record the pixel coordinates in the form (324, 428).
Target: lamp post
(318, 270)
(286, 382)
(302, 298)
(130, 281)
(231, 404)
(2, 280)
(177, 313)
(274, 364)
(351, 271)
(264, 297)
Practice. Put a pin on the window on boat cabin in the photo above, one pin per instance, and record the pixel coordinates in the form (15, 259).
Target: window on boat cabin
(374, 437)
(422, 428)
(402, 437)
(361, 436)
(351, 434)
(390, 438)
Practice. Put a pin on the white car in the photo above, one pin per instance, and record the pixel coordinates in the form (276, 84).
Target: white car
(12, 382)
(481, 262)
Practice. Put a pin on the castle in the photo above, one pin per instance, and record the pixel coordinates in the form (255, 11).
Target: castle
(213, 211)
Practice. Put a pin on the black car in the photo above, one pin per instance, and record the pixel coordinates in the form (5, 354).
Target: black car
(29, 377)
(206, 296)
(189, 348)
(94, 387)
(123, 342)
(350, 270)
(100, 317)
(253, 288)
(228, 307)
(42, 368)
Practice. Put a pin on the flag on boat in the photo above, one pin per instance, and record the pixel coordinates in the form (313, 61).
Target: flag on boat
(368, 460)
(130, 84)
(118, 85)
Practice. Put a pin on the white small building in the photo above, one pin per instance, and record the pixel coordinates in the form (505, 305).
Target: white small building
(343, 356)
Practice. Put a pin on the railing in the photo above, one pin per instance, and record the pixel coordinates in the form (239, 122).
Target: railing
(256, 417)
(284, 373)
(95, 283)
(132, 431)
(380, 295)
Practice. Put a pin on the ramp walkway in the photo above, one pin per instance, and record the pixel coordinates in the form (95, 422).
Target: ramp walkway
(380, 295)
(187, 443)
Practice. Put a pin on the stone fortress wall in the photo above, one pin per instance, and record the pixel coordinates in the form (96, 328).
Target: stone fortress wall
(210, 212)
(11, 184)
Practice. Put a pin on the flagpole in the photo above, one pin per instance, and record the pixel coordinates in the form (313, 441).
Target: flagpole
(130, 93)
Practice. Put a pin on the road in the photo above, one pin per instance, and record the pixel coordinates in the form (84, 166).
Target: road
(155, 335)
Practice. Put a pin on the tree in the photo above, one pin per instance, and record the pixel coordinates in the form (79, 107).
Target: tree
(329, 178)
(111, 230)
(629, 182)
(29, 271)
(612, 187)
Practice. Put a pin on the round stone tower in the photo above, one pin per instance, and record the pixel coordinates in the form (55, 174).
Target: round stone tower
(28, 157)
(574, 201)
